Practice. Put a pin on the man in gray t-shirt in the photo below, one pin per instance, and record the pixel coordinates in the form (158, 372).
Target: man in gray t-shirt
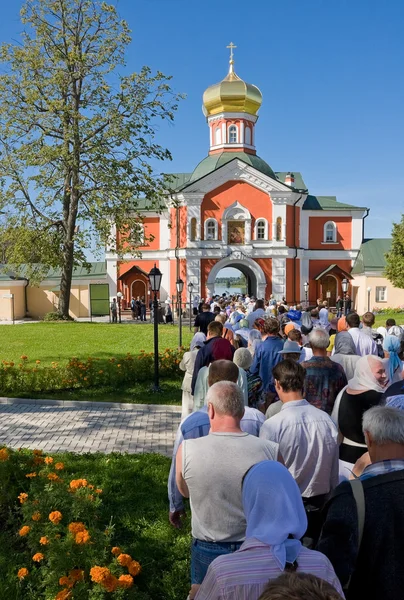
(209, 471)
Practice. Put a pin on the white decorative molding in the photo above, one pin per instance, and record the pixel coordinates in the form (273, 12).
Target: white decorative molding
(278, 277)
(227, 115)
(236, 212)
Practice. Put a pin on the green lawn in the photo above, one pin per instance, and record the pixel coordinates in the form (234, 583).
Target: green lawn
(135, 498)
(59, 342)
(381, 319)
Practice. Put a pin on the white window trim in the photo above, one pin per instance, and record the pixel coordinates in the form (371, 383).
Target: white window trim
(377, 292)
(228, 134)
(209, 220)
(265, 239)
(334, 240)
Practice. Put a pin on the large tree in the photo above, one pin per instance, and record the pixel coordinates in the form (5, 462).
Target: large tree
(77, 137)
(395, 258)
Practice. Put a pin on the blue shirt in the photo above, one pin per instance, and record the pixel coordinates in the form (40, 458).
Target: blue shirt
(197, 425)
(265, 358)
(382, 467)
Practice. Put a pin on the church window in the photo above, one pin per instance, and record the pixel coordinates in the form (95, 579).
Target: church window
(330, 232)
(218, 136)
(232, 134)
(211, 229)
(247, 136)
(279, 229)
(193, 229)
(261, 233)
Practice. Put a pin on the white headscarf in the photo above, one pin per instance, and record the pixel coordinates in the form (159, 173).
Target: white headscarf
(363, 379)
(382, 331)
(198, 340)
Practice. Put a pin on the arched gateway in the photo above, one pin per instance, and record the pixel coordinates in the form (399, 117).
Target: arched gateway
(255, 275)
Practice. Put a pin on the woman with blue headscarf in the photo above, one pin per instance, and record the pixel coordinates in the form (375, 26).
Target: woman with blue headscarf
(276, 521)
(394, 368)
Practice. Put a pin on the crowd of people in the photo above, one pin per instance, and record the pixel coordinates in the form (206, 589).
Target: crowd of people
(291, 452)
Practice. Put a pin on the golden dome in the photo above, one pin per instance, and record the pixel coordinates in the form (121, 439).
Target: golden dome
(232, 94)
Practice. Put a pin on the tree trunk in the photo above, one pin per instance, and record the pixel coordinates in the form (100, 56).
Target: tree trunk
(66, 279)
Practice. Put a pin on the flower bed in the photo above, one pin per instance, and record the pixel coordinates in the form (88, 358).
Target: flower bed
(92, 372)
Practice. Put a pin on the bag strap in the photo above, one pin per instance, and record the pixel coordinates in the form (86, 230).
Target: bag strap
(359, 497)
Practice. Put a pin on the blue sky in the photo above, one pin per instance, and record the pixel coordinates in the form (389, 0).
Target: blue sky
(331, 75)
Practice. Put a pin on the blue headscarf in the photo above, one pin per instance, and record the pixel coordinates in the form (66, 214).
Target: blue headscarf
(395, 402)
(274, 509)
(392, 345)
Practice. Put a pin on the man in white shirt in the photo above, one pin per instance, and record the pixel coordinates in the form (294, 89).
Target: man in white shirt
(364, 344)
(307, 438)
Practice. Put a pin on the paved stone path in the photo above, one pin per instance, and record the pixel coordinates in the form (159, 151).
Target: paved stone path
(88, 427)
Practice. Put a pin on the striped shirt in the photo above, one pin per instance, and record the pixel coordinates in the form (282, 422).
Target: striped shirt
(382, 467)
(244, 574)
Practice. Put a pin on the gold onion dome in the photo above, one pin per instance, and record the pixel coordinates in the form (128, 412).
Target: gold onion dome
(232, 94)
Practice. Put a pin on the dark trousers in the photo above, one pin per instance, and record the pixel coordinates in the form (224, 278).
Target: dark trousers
(313, 508)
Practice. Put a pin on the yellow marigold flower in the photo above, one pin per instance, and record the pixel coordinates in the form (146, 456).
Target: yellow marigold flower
(124, 559)
(82, 537)
(59, 466)
(22, 573)
(30, 475)
(48, 460)
(99, 574)
(23, 497)
(63, 595)
(55, 517)
(44, 541)
(76, 575)
(125, 581)
(76, 527)
(4, 455)
(38, 362)
(36, 516)
(75, 484)
(38, 557)
(116, 550)
(134, 568)
(24, 530)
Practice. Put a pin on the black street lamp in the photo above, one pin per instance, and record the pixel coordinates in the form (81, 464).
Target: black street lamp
(155, 276)
(344, 285)
(180, 287)
(190, 288)
(306, 291)
(119, 296)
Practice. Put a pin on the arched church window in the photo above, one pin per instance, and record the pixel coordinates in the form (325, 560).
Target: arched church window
(279, 229)
(232, 134)
(330, 232)
(210, 230)
(218, 136)
(261, 229)
(247, 136)
(193, 229)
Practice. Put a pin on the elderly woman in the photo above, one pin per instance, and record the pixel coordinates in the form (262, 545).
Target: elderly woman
(187, 364)
(243, 358)
(393, 352)
(276, 522)
(345, 353)
(363, 391)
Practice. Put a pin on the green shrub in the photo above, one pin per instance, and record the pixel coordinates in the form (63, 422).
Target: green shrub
(55, 316)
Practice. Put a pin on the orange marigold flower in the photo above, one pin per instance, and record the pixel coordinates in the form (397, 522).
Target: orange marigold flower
(124, 559)
(37, 452)
(55, 517)
(75, 484)
(90, 487)
(90, 497)
(63, 595)
(38, 362)
(22, 573)
(54, 477)
(30, 475)
(66, 581)
(38, 557)
(36, 516)
(4, 455)
(23, 497)
(101, 372)
(24, 530)
(98, 491)
(44, 541)
(48, 460)
(76, 527)
(110, 583)
(76, 574)
(134, 568)
(59, 466)
(125, 581)
(24, 357)
(38, 460)
(99, 574)
(116, 550)
(82, 537)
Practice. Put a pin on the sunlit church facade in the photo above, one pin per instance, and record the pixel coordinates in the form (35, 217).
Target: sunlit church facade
(233, 210)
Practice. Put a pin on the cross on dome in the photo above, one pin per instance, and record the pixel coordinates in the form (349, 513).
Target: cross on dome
(231, 46)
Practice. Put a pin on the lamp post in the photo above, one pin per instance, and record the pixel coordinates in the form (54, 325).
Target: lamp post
(190, 288)
(369, 291)
(306, 291)
(344, 285)
(155, 282)
(119, 296)
(180, 287)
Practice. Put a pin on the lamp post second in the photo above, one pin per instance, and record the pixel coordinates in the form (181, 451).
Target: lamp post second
(190, 288)
(306, 291)
(344, 285)
(155, 282)
(119, 296)
(180, 287)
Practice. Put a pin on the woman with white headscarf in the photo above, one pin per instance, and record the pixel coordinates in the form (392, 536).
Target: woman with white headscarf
(276, 522)
(187, 364)
(363, 391)
(345, 353)
(392, 352)
(254, 339)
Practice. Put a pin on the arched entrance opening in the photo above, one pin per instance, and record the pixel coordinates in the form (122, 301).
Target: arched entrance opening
(254, 276)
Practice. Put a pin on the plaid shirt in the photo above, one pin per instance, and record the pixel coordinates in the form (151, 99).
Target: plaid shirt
(381, 468)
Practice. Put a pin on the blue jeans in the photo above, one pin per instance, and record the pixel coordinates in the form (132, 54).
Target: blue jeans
(203, 553)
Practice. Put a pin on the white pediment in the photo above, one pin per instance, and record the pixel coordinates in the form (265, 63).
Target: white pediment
(236, 212)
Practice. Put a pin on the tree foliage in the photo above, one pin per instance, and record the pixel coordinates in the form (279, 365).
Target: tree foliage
(394, 270)
(77, 137)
